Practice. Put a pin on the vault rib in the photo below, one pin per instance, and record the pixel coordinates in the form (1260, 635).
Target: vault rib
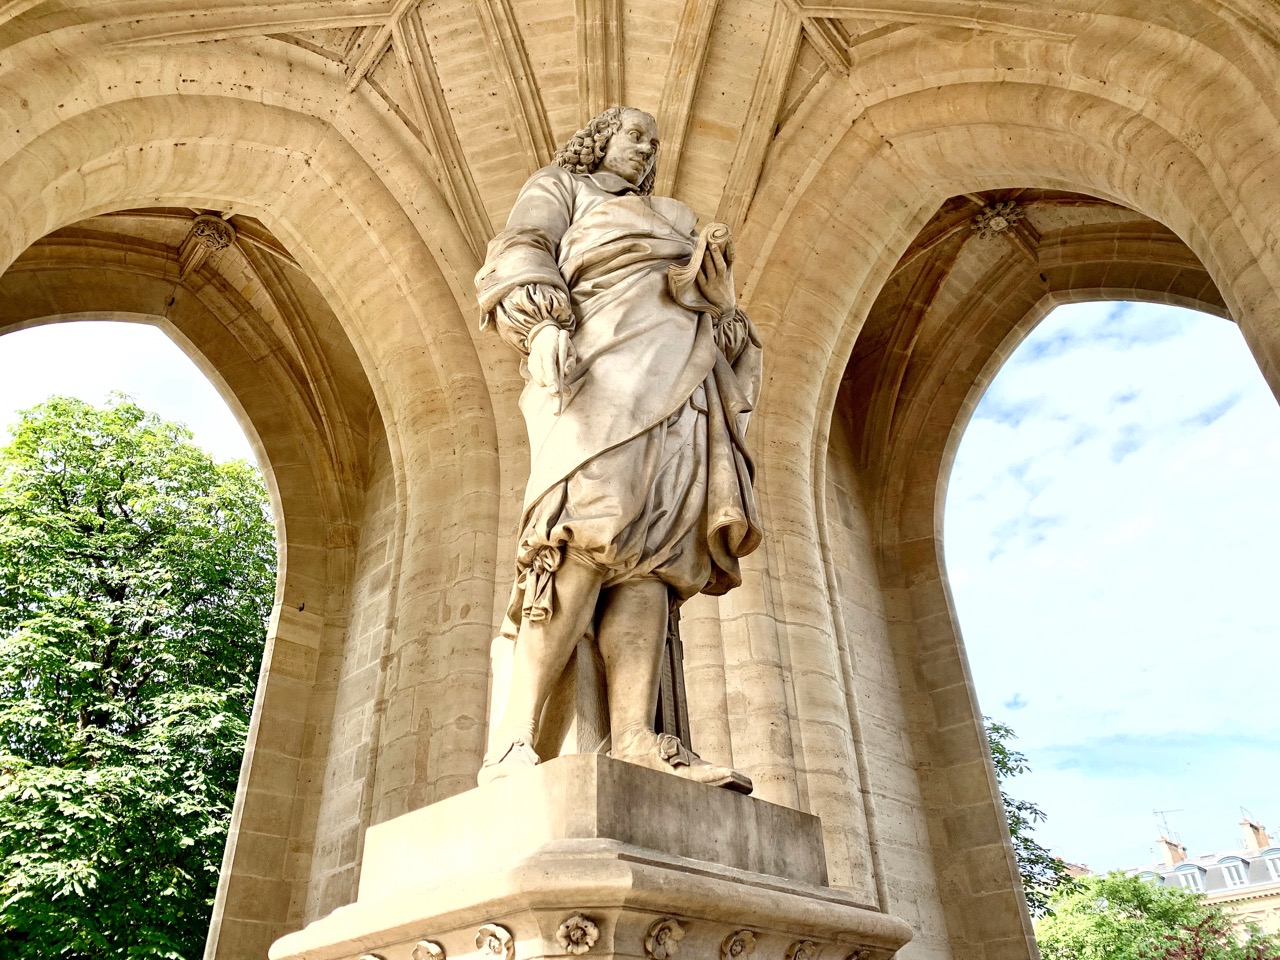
(999, 15)
(305, 362)
(376, 46)
(263, 20)
(511, 63)
(887, 400)
(781, 47)
(830, 42)
(431, 108)
(684, 70)
(12, 9)
(600, 56)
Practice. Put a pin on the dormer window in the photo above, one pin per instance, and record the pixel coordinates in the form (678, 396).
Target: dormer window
(1190, 878)
(1234, 872)
(1272, 859)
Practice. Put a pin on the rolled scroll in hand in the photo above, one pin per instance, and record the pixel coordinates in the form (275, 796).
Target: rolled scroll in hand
(682, 280)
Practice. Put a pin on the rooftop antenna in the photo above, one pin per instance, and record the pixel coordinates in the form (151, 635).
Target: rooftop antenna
(1164, 823)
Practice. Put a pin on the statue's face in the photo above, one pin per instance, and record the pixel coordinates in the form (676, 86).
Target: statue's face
(632, 150)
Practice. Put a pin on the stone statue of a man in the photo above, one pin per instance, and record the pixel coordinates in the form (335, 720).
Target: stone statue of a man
(641, 374)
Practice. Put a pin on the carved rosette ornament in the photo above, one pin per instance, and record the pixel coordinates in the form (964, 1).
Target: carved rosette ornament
(997, 218)
(214, 232)
(738, 945)
(427, 950)
(207, 235)
(803, 950)
(577, 934)
(496, 941)
(663, 939)
(862, 953)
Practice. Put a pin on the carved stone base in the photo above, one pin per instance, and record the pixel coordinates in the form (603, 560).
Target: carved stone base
(587, 855)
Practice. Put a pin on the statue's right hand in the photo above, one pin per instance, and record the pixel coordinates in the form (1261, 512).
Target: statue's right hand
(551, 358)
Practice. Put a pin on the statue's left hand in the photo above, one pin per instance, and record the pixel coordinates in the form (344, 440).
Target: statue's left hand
(715, 280)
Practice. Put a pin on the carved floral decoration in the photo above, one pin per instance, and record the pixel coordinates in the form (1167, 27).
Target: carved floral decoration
(862, 953)
(803, 950)
(738, 945)
(207, 235)
(577, 934)
(427, 950)
(496, 941)
(997, 218)
(663, 939)
(212, 232)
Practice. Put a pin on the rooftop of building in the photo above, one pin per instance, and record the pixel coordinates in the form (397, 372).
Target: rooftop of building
(1253, 865)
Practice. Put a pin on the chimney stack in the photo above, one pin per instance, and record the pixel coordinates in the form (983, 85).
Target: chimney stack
(1174, 853)
(1256, 837)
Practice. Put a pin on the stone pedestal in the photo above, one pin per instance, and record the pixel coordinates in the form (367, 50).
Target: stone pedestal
(588, 856)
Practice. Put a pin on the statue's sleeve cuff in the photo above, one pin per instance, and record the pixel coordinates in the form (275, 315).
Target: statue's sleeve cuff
(537, 329)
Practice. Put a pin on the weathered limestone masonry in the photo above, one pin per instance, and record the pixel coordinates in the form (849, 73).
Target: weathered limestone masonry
(912, 185)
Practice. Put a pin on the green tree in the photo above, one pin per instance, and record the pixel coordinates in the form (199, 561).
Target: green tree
(1119, 917)
(136, 575)
(1042, 872)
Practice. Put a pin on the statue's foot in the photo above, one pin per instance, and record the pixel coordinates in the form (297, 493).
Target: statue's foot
(519, 755)
(666, 753)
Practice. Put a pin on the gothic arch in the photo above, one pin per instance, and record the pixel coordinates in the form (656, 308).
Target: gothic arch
(367, 257)
(905, 489)
(316, 432)
(852, 177)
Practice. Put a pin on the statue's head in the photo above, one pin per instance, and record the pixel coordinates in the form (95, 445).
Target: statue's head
(621, 140)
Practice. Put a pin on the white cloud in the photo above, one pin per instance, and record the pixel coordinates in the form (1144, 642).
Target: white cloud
(90, 359)
(1110, 530)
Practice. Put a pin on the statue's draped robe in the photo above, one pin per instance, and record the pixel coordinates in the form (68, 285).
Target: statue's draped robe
(643, 472)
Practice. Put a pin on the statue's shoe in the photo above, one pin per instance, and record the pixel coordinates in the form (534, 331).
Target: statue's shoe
(666, 753)
(519, 755)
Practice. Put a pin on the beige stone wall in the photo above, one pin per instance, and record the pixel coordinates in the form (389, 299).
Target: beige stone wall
(1261, 909)
(346, 714)
(893, 811)
(368, 148)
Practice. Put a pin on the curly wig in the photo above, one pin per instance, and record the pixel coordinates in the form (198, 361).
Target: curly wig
(585, 149)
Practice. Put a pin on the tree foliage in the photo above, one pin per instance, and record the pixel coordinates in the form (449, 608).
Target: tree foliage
(136, 575)
(1119, 917)
(1042, 872)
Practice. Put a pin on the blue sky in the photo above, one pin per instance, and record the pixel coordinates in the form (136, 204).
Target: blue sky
(1111, 525)
(1110, 533)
